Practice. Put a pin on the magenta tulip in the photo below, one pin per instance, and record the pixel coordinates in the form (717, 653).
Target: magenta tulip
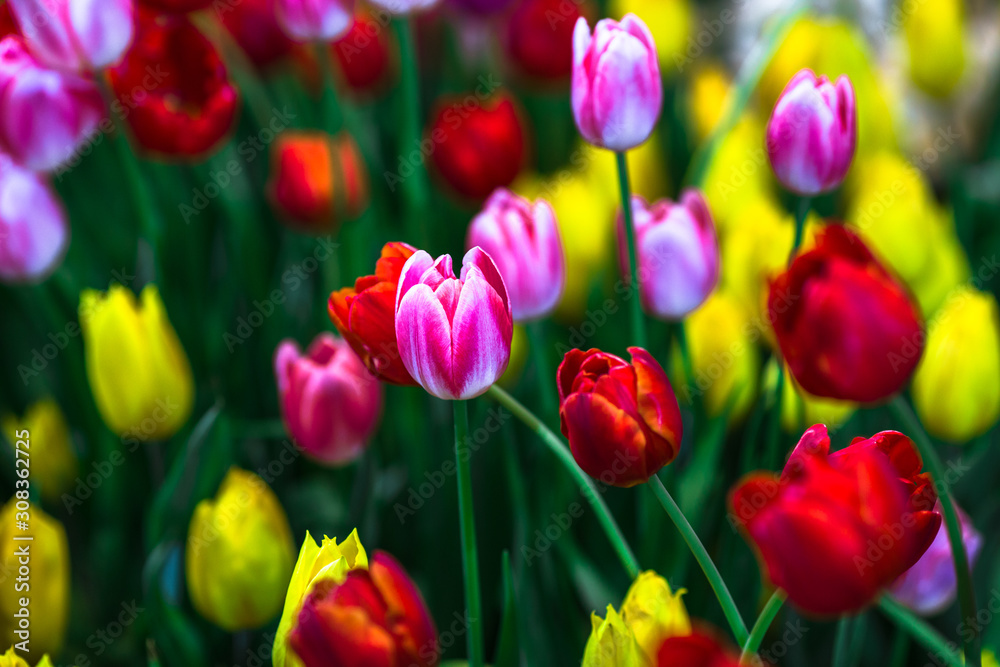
(315, 20)
(76, 35)
(812, 133)
(33, 230)
(523, 240)
(617, 93)
(678, 254)
(329, 401)
(45, 115)
(454, 334)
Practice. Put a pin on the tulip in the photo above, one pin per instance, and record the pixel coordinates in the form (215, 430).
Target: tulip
(403, 6)
(185, 6)
(731, 187)
(365, 316)
(812, 133)
(13, 659)
(34, 233)
(46, 115)
(47, 592)
(672, 24)
(617, 94)
(8, 24)
(836, 529)
(697, 649)
(454, 334)
(138, 372)
(678, 254)
(366, 54)
(540, 46)
(314, 20)
(706, 103)
(53, 461)
(523, 240)
(652, 612)
(846, 327)
(373, 617)
(189, 106)
(317, 568)
(239, 554)
(622, 420)
(929, 587)
(254, 26)
(73, 35)
(318, 180)
(936, 45)
(956, 389)
(478, 145)
(611, 643)
(329, 402)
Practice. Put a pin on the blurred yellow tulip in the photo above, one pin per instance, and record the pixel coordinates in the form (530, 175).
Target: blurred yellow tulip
(653, 612)
(738, 173)
(800, 410)
(611, 643)
(47, 587)
(670, 22)
(138, 372)
(956, 389)
(13, 659)
(317, 563)
(754, 251)
(53, 461)
(706, 101)
(935, 43)
(239, 554)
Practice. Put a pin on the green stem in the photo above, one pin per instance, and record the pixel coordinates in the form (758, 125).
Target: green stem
(470, 557)
(715, 580)
(415, 187)
(772, 448)
(638, 325)
(900, 647)
(760, 627)
(842, 641)
(332, 113)
(586, 484)
(966, 594)
(923, 633)
(682, 345)
(801, 215)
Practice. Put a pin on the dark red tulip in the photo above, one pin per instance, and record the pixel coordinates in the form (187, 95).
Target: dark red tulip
(477, 145)
(366, 55)
(173, 87)
(698, 649)
(181, 6)
(540, 36)
(365, 315)
(622, 420)
(835, 529)
(847, 328)
(253, 25)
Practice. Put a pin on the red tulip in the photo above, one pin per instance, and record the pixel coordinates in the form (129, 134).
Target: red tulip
(365, 315)
(366, 54)
(180, 6)
(254, 26)
(374, 617)
(540, 37)
(477, 146)
(835, 529)
(622, 420)
(698, 649)
(847, 328)
(189, 105)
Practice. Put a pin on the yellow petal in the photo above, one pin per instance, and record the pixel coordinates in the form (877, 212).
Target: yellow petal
(611, 643)
(653, 612)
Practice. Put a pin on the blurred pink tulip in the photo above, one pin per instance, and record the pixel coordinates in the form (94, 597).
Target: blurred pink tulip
(403, 6)
(812, 133)
(33, 230)
(454, 334)
(45, 115)
(77, 35)
(617, 93)
(678, 253)
(315, 20)
(522, 239)
(330, 402)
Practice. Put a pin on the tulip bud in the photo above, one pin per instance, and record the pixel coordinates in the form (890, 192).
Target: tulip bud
(697, 649)
(403, 6)
(318, 567)
(330, 403)
(653, 612)
(617, 93)
(956, 389)
(239, 554)
(540, 46)
(611, 643)
(812, 133)
(138, 372)
(622, 420)
(678, 254)
(47, 591)
(373, 616)
(70, 35)
(366, 54)
(34, 234)
(522, 239)
(45, 115)
(53, 461)
(255, 28)
(314, 20)
(13, 659)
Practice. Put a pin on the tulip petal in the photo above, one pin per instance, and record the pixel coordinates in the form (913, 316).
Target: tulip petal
(481, 331)
(424, 336)
(606, 442)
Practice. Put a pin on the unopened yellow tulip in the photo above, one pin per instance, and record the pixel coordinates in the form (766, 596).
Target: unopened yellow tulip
(653, 612)
(13, 659)
(53, 461)
(138, 372)
(935, 43)
(239, 554)
(611, 643)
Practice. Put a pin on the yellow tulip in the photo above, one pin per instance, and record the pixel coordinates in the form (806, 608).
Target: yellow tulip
(956, 389)
(935, 43)
(706, 101)
(53, 461)
(755, 250)
(136, 366)
(239, 554)
(611, 643)
(46, 588)
(800, 410)
(738, 172)
(670, 22)
(317, 563)
(653, 612)
(13, 659)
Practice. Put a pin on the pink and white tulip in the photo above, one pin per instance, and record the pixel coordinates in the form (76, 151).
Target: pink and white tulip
(678, 253)
(330, 403)
(812, 133)
(454, 334)
(617, 93)
(76, 35)
(522, 239)
(314, 20)
(34, 234)
(45, 115)
(403, 6)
